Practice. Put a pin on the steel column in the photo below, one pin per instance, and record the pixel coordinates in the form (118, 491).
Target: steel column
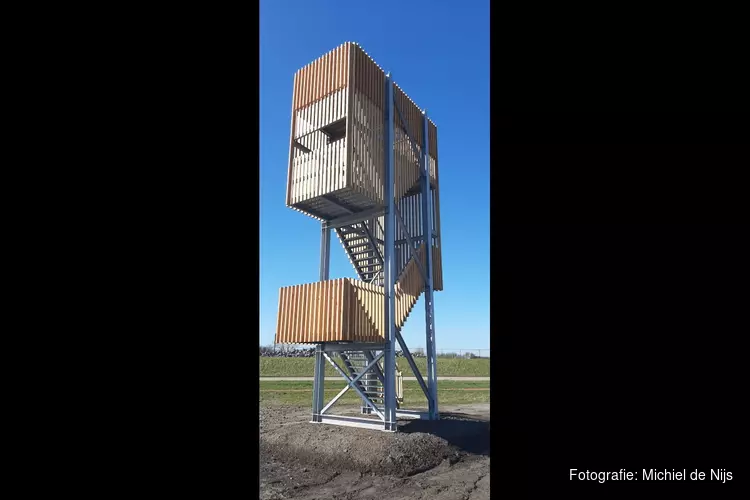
(320, 374)
(389, 368)
(428, 291)
(318, 383)
(325, 252)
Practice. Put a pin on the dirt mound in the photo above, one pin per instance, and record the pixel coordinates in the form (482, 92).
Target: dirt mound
(444, 460)
(357, 450)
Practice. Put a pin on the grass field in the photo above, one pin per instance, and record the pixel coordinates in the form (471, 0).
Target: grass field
(300, 393)
(446, 367)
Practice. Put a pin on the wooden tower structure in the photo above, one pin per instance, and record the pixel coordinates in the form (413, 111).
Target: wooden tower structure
(363, 161)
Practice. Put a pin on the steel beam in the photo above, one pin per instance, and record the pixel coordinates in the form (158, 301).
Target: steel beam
(389, 369)
(366, 423)
(413, 414)
(337, 204)
(352, 346)
(348, 220)
(306, 208)
(428, 290)
(414, 239)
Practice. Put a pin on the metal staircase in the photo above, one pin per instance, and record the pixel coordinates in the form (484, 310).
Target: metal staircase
(365, 252)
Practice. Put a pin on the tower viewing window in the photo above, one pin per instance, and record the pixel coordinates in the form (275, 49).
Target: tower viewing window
(335, 131)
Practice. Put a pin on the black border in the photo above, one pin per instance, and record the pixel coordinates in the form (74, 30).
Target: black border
(625, 354)
(159, 265)
(608, 202)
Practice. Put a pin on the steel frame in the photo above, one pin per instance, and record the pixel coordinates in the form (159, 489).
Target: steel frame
(388, 413)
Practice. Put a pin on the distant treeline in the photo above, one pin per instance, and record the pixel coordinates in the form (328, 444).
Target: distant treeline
(289, 352)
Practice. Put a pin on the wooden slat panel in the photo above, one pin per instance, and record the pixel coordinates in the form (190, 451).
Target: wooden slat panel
(322, 77)
(368, 303)
(347, 82)
(281, 316)
(344, 312)
(290, 166)
(312, 174)
(328, 309)
(366, 159)
(437, 264)
(310, 313)
(353, 308)
(350, 79)
(409, 287)
(435, 178)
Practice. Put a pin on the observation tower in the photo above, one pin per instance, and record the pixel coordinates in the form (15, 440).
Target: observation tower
(363, 163)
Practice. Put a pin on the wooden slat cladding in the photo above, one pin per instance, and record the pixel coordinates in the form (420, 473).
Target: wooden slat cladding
(369, 78)
(291, 144)
(437, 264)
(344, 309)
(366, 127)
(337, 158)
(411, 114)
(367, 156)
(410, 208)
(325, 75)
(409, 287)
(363, 317)
(318, 164)
(347, 84)
(407, 124)
(330, 311)
(310, 313)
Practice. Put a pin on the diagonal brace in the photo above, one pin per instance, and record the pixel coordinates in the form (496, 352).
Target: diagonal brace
(412, 252)
(352, 383)
(412, 364)
(378, 371)
(347, 364)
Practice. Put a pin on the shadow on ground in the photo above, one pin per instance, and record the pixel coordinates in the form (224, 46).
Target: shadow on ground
(463, 431)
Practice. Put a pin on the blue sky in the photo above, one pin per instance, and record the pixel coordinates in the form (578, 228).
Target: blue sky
(438, 52)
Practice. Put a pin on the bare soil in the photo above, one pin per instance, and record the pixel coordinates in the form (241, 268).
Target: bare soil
(444, 460)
